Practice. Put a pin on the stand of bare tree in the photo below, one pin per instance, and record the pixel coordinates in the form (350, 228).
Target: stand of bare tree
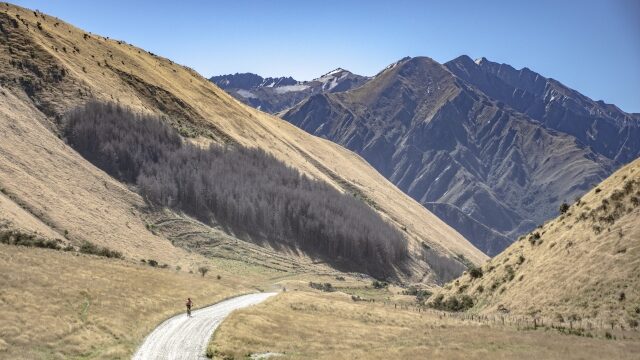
(246, 190)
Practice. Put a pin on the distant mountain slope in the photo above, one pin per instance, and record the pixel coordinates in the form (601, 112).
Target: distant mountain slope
(48, 67)
(443, 141)
(583, 264)
(605, 128)
(276, 94)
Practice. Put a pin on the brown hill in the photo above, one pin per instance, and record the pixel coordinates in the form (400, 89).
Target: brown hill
(48, 67)
(583, 264)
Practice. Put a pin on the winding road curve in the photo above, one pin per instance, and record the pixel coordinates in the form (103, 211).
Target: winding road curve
(186, 338)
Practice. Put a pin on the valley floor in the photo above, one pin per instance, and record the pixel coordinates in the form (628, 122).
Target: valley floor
(305, 324)
(64, 305)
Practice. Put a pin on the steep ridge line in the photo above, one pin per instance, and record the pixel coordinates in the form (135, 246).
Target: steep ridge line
(93, 66)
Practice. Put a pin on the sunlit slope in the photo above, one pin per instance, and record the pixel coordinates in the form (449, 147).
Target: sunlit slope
(48, 67)
(583, 264)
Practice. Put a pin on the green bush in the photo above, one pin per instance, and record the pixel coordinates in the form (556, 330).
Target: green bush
(510, 273)
(89, 248)
(379, 284)
(437, 302)
(13, 237)
(423, 295)
(564, 208)
(454, 303)
(203, 270)
(475, 272)
(327, 287)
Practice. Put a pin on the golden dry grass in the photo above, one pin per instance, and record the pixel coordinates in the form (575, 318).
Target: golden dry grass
(59, 305)
(582, 266)
(53, 181)
(312, 325)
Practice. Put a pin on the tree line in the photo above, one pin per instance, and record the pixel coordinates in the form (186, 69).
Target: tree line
(245, 190)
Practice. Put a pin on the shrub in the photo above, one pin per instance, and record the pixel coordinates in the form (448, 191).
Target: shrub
(466, 302)
(327, 287)
(510, 273)
(203, 270)
(453, 303)
(411, 290)
(379, 284)
(423, 295)
(437, 301)
(14, 237)
(495, 285)
(218, 277)
(152, 263)
(90, 248)
(475, 272)
(340, 278)
(564, 208)
(521, 259)
(534, 237)
(467, 263)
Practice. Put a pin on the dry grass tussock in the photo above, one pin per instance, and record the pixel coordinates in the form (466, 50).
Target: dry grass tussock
(60, 305)
(318, 325)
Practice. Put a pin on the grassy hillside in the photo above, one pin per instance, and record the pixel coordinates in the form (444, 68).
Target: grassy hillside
(49, 67)
(585, 264)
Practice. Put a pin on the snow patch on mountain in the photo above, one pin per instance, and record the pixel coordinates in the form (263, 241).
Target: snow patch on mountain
(246, 94)
(290, 88)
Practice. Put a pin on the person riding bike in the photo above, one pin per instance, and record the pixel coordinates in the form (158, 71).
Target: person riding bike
(189, 305)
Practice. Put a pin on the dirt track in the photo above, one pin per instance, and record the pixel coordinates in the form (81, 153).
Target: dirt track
(186, 338)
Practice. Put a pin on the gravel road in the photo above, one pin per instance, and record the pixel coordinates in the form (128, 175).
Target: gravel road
(186, 338)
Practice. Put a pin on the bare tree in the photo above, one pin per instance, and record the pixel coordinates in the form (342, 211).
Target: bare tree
(203, 270)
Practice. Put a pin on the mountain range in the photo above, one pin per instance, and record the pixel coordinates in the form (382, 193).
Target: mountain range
(129, 183)
(276, 94)
(491, 150)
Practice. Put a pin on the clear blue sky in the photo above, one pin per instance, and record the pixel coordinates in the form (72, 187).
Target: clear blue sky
(590, 45)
